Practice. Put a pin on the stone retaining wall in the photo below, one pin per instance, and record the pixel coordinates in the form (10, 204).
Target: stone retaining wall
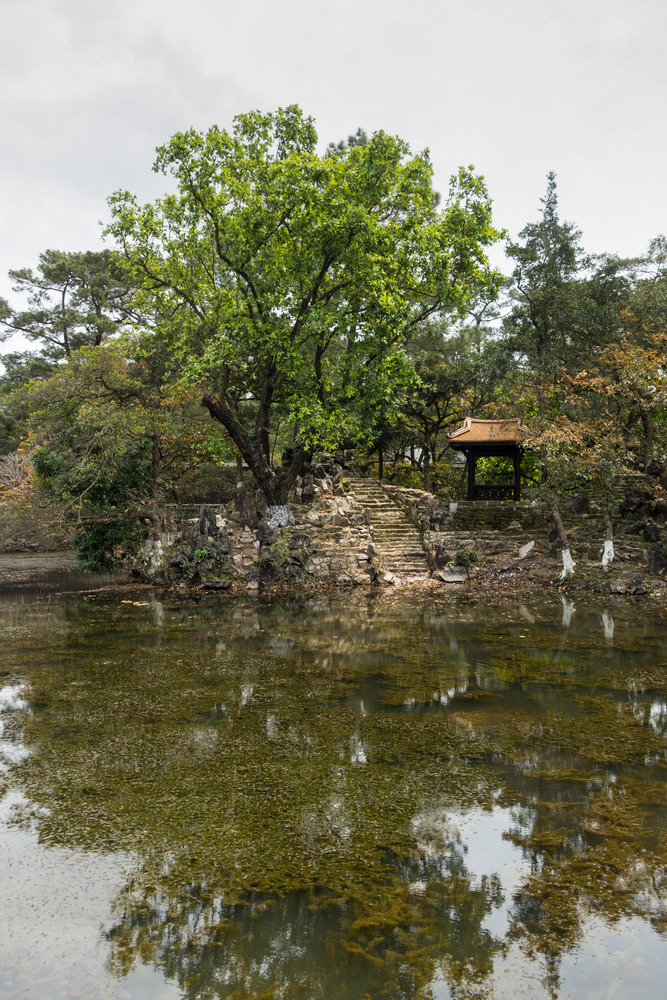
(329, 542)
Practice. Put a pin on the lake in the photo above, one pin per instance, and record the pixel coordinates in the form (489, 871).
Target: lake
(352, 795)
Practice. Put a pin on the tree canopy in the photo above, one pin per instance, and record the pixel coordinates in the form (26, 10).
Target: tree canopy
(74, 300)
(288, 281)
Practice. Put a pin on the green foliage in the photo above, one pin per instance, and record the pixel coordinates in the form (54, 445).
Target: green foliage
(101, 547)
(445, 477)
(106, 480)
(466, 558)
(565, 303)
(74, 299)
(292, 281)
(494, 470)
(108, 435)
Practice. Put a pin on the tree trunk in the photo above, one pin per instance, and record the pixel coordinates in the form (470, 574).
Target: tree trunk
(568, 562)
(608, 551)
(648, 439)
(542, 406)
(427, 468)
(274, 485)
(155, 486)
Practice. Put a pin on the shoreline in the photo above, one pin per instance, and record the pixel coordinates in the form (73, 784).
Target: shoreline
(628, 584)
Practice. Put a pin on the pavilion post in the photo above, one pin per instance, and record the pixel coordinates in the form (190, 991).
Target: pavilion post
(517, 475)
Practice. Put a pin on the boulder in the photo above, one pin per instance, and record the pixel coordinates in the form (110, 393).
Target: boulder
(651, 532)
(657, 561)
(452, 576)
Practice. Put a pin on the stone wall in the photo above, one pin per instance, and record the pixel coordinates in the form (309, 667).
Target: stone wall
(212, 546)
(331, 541)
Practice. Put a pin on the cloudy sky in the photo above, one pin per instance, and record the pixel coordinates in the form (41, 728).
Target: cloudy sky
(517, 88)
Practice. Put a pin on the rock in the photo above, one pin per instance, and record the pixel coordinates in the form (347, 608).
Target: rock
(515, 526)
(659, 512)
(440, 556)
(526, 549)
(215, 585)
(279, 516)
(651, 532)
(452, 576)
(300, 540)
(267, 533)
(618, 587)
(179, 558)
(657, 561)
(224, 544)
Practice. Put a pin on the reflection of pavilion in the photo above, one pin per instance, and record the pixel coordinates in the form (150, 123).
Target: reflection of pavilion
(488, 439)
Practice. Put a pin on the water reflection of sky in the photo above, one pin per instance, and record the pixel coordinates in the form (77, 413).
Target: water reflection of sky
(56, 900)
(53, 905)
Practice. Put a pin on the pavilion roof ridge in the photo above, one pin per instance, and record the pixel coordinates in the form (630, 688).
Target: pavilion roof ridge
(478, 430)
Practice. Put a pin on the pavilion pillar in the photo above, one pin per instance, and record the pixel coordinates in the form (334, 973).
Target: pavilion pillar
(517, 475)
(472, 462)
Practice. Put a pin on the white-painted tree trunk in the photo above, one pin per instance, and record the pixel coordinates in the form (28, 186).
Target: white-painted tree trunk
(279, 516)
(608, 553)
(568, 564)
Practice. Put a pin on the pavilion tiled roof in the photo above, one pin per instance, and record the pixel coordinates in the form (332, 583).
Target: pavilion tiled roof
(476, 431)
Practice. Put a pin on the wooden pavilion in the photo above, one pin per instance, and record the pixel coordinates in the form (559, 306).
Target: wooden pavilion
(487, 439)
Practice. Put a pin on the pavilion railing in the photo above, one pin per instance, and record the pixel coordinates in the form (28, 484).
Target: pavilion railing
(493, 492)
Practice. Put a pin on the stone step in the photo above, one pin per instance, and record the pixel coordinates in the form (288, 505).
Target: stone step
(408, 546)
(398, 542)
(406, 558)
(383, 533)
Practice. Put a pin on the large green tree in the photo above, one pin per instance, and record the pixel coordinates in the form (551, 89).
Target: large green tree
(70, 300)
(565, 303)
(291, 281)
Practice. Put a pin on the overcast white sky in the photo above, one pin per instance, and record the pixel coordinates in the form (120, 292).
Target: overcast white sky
(517, 88)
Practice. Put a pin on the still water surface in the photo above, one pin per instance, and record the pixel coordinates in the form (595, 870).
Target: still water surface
(392, 795)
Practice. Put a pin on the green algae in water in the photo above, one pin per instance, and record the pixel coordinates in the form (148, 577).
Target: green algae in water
(267, 767)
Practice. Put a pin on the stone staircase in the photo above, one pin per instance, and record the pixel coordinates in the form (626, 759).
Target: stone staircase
(398, 542)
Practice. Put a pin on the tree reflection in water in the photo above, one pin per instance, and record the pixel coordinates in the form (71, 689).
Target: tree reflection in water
(270, 768)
